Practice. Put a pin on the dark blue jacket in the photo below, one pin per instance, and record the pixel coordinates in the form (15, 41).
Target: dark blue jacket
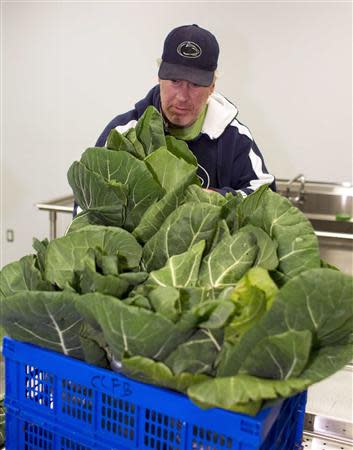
(227, 155)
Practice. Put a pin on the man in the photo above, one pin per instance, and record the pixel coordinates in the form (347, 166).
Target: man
(227, 156)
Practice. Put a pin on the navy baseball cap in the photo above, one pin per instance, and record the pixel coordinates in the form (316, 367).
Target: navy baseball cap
(190, 53)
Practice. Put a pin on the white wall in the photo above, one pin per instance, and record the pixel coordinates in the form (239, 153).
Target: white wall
(69, 67)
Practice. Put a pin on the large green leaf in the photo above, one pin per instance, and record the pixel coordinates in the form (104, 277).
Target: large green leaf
(181, 270)
(94, 346)
(229, 211)
(251, 203)
(149, 371)
(47, 319)
(128, 330)
(41, 248)
(70, 253)
(228, 261)
(182, 229)
(131, 330)
(193, 296)
(298, 248)
(250, 306)
(139, 151)
(91, 281)
(325, 361)
(281, 356)
(168, 169)
(252, 296)
(198, 354)
(180, 149)
(121, 167)
(214, 314)
(119, 142)
(255, 277)
(267, 254)
(83, 219)
(157, 213)
(222, 232)
(166, 301)
(22, 275)
(195, 194)
(243, 393)
(93, 192)
(150, 130)
(318, 301)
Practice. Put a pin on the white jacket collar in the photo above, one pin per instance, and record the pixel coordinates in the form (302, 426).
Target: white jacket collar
(220, 113)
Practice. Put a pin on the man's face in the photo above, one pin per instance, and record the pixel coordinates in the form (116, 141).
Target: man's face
(182, 101)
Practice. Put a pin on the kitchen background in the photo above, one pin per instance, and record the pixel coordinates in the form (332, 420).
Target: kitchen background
(68, 67)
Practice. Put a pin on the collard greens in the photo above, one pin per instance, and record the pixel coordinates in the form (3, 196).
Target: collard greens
(223, 298)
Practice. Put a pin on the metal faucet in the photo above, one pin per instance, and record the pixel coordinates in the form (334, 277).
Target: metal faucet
(299, 198)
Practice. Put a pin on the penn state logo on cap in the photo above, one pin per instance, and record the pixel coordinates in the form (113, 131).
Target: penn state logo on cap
(189, 53)
(189, 49)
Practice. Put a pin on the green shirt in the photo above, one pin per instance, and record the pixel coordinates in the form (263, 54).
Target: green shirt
(191, 132)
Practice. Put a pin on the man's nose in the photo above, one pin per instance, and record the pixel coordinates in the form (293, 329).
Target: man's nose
(183, 91)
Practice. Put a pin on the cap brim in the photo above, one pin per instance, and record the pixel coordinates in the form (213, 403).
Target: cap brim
(168, 71)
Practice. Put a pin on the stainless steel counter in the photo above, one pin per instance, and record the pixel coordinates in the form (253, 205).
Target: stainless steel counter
(59, 205)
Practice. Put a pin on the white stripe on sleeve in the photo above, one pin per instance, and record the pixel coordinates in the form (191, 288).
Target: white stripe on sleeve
(242, 128)
(263, 178)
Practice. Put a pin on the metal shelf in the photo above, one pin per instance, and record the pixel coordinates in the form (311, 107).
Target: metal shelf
(312, 442)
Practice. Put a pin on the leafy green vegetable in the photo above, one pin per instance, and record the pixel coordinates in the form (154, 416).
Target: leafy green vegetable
(47, 319)
(69, 254)
(122, 180)
(119, 142)
(267, 254)
(157, 213)
(224, 298)
(180, 149)
(229, 260)
(242, 393)
(298, 248)
(106, 200)
(149, 371)
(181, 270)
(319, 302)
(167, 169)
(22, 275)
(150, 131)
(198, 354)
(180, 231)
(130, 330)
(196, 194)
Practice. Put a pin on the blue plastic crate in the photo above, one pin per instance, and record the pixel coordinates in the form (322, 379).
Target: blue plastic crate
(57, 402)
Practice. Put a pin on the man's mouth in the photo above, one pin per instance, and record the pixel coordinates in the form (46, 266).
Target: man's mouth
(180, 109)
